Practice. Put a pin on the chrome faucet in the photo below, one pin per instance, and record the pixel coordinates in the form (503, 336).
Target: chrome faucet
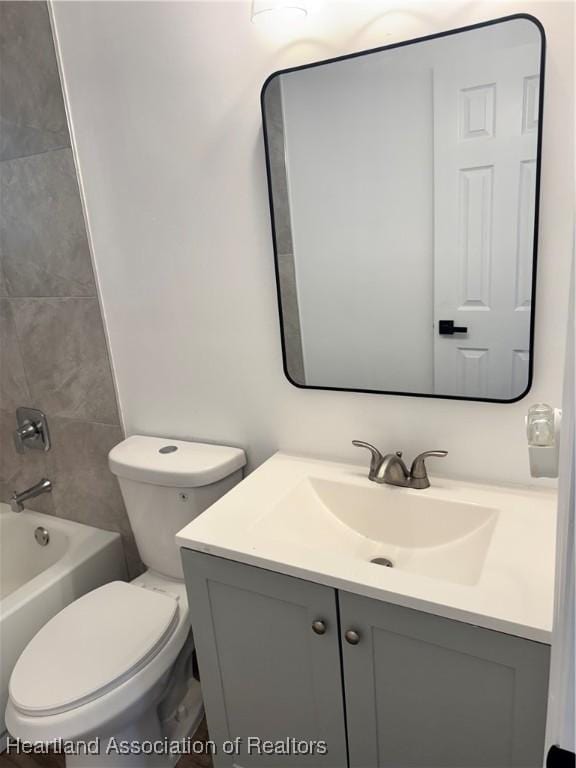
(392, 470)
(18, 499)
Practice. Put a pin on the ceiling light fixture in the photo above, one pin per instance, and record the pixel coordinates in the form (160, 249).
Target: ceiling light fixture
(268, 10)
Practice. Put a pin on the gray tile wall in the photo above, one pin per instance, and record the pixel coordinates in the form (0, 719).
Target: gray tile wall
(283, 228)
(53, 353)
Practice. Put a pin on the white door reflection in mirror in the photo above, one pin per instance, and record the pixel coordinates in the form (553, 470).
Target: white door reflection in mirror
(485, 146)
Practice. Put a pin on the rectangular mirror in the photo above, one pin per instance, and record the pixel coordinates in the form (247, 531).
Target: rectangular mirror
(403, 187)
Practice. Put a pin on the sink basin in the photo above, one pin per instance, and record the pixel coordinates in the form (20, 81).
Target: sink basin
(478, 553)
(413, 530)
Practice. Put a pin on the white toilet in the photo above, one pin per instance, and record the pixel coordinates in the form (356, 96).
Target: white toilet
(118, 661)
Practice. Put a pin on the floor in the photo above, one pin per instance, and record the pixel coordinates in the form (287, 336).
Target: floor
(57, 761)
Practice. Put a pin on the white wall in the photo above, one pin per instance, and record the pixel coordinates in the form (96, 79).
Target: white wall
(164, 101)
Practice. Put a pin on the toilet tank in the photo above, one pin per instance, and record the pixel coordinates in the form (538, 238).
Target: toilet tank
(167, 483)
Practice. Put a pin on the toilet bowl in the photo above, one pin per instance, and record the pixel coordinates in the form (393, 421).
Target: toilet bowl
(110, 677)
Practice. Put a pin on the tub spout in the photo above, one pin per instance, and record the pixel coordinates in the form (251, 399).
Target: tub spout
(18, 499)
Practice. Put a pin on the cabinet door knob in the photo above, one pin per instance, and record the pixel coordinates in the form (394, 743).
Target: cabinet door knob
(319, 627)
(352, 636)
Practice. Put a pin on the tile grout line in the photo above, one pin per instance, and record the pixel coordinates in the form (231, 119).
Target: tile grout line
(35, 154)
(20, 351)
(57, 298)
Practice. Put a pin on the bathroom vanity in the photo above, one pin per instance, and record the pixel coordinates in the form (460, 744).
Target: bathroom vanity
(301, 632)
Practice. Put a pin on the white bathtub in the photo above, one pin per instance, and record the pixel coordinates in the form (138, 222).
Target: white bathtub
(38, 581)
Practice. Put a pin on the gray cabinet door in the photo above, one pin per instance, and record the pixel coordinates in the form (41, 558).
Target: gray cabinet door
(264, 672)
(424, 691)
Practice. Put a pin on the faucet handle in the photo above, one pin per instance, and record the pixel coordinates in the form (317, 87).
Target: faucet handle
(375, 456)
(28, 430)
(31, 431)
(418, 473)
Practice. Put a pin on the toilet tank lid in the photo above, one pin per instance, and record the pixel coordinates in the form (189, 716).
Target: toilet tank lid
(177, 463)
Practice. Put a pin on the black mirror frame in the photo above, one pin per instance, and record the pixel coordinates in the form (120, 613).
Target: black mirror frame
(403, 44)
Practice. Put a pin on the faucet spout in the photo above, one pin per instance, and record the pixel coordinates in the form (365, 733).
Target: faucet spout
(390, 469)
(18, 499)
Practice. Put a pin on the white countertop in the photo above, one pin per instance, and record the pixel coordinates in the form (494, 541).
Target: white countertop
(513, 594)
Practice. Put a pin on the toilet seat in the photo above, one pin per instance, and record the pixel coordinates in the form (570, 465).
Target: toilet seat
(93, 646)
(120, 704)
